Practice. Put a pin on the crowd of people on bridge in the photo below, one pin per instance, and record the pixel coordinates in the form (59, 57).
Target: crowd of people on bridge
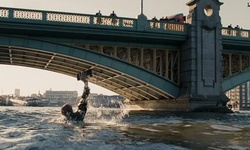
(236, 27)
(175, 18)
(111, 15)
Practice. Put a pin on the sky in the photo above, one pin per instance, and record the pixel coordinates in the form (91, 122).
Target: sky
(30, 80)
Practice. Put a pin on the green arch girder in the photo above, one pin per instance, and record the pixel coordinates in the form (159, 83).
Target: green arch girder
(165, 85)
(235, 80)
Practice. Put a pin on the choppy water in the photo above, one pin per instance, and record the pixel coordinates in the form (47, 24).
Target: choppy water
(39, 128)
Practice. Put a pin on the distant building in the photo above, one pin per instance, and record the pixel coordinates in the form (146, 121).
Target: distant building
(92, 95)
(105, 101)
(240, 97)
(245, 96)
(60, 97)
(17, 92)
(234, 96)
(33, 95)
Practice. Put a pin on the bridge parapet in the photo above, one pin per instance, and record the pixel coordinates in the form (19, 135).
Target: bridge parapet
(234, 32)
(4, 13)
(164, 25)
(86, 20)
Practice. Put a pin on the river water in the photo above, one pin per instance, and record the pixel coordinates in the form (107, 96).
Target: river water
(43, 128)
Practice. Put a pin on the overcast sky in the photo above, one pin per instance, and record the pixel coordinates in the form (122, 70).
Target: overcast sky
(30, 80)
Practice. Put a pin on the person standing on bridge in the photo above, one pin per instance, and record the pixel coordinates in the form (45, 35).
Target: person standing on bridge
(98, 13)
(113, 14)
(99, 19)
(67, 109)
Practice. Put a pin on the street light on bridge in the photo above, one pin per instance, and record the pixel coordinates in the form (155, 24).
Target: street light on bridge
(141, 6)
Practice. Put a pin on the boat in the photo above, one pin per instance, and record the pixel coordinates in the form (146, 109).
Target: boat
(4, 101)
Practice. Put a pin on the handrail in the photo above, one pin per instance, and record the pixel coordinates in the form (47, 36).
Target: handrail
(97, 21)
(234, 32)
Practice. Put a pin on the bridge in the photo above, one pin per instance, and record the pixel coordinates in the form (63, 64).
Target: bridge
(162, 64)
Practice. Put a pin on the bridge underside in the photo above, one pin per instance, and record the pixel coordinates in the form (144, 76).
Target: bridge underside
(115, 81)
(235, 69)
(235, 80)
(121, 83)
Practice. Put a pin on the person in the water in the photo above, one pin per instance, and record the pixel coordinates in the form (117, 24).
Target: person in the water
(67, 109)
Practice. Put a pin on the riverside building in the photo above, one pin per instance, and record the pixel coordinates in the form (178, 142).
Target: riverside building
(60, 97)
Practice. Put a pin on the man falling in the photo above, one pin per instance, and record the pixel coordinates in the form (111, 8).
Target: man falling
(67, 109)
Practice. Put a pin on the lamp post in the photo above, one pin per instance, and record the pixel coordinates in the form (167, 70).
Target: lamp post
(141, 6)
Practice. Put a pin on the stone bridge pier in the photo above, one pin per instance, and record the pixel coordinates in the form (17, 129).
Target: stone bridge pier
(200, 62)
(201, 56)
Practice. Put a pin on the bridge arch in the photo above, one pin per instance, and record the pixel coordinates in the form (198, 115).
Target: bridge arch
(118, 76)
(235, 80)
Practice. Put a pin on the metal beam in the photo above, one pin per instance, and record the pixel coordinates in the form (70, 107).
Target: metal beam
(52, 57)
(10, 55)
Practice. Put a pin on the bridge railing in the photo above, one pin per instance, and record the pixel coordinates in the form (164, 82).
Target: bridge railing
(167, 25)
(86, 20)
(234, 32)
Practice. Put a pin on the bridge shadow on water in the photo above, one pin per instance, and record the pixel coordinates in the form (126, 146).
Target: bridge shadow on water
(236, 118)
(192, 130)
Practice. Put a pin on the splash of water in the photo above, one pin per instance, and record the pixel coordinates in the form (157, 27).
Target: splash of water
(98, 115)
(107, 115)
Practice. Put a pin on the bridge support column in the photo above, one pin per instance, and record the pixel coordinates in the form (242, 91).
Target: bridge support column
(230, 64)
(128, 55)
(160, 105)
(154, 60)
(141, 57)
(167, 65)
(201, 56)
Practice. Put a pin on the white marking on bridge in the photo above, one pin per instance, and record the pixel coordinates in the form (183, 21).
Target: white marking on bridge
(52, 57)
(10, 54)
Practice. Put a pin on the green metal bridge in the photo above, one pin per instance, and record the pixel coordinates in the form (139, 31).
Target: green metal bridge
(140, 59)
